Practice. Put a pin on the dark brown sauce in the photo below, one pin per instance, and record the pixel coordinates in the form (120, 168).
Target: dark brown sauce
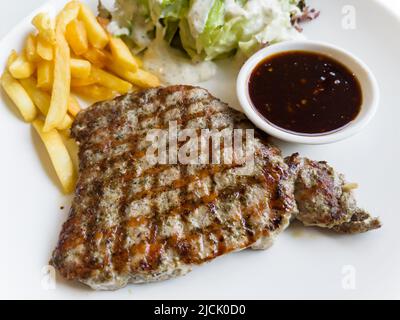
(305, 92)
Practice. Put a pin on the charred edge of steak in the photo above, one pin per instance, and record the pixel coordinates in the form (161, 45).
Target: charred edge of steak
(360, 222)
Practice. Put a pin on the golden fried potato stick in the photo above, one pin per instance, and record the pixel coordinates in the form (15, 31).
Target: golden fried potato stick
(110, 81)
(73, 150)
(19, 96)
(122, 54)
(140, 78)
(77, 38)
(95, 93)
(80, 69)
(45, 75)
(98, 57)
(45, 26)
(42, 101)
(74, 107)
(75, 82)
(59, 156)
(45, 49)
(62, 68)
(11, 58)
(98, 37)
(20, 67)
(30, 49)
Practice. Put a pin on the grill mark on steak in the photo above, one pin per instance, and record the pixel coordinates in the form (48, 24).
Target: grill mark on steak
(159, 125)
(183, 244)
(109, 161)
(180, 183)
(134, 222)
(121, 255)
(91, 222)
(186, 245)
(152, 257)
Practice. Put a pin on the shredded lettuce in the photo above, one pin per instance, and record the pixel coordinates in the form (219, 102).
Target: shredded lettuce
(208, 29)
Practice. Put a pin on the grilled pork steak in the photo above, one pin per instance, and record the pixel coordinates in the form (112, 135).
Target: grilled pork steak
(133, 221)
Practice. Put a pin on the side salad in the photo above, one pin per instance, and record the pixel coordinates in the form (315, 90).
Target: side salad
(208, 29)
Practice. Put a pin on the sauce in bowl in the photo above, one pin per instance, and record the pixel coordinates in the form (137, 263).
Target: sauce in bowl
(305, 92)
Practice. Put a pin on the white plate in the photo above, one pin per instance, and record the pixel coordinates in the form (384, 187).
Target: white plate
(304, 263)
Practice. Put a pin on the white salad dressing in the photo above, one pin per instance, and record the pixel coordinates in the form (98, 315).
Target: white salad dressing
(233, 9)
(269, 20)
(114, 28)
(173, 67)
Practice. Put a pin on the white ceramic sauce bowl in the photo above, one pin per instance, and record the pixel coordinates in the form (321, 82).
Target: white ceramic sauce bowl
(369, 87)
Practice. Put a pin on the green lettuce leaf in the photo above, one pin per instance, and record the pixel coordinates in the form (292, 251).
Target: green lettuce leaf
(230, 25)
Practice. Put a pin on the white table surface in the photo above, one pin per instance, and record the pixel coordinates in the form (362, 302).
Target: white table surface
(11, 12)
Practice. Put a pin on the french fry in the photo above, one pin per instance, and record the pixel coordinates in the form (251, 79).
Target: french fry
(62, 69)
(73, 150)
(75, 83)
(97, 35)
(80, 69)
(66, 123)
(122, 54)
(45, 75)
(110, 81)
(95, 93)
(59, 156)
(30, 49)
(73, 107)
(20, 67)
(44, 49)
(140, 78)
(42, 101)
(19, 96)
(143, 79)
(45, 26)
(77, 38)
(97, 57)
(67, 15)
(11, 58)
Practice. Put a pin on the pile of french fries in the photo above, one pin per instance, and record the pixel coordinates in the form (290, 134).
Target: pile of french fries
(71, 55)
